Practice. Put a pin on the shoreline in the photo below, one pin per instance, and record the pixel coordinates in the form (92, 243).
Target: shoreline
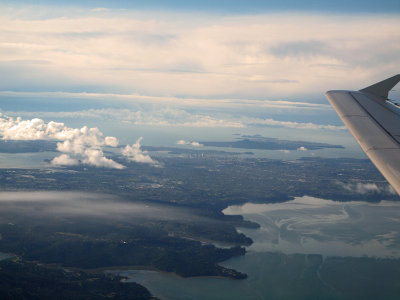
(117, 269)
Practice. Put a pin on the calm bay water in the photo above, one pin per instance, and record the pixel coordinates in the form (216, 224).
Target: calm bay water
(290, 257)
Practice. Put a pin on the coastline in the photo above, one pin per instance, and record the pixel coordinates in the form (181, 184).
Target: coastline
(243, 224)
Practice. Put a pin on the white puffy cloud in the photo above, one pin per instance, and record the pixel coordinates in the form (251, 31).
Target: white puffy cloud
(64, 160)
(193, 143)
(136, 154)
(111, 141)
(95, 157)
(84, 143)
(302, 148)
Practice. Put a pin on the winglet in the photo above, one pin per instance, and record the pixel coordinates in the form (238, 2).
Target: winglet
(382, 88)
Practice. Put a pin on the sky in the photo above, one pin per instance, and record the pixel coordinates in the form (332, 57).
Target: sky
(233, 6)
(159, 66)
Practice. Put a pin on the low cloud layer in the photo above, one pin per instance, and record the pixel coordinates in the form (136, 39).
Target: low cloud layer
(366, 188)
(77, 145)
(49, 204)
(169, 116)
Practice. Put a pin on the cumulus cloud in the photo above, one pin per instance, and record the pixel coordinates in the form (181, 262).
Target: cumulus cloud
(111, 141)
(136, 154)
(366, 188)
(77, 144)
(95, 157)
(302, 148)
(193, 143)
(64, 160)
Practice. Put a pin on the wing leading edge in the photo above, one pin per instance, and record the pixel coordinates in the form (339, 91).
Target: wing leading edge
(375, 124)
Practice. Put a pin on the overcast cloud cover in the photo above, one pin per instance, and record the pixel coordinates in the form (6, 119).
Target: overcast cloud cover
(277, 55)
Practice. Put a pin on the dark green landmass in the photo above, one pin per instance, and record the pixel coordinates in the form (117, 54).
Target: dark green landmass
(93, 242)
(24, 280)
(202, 185)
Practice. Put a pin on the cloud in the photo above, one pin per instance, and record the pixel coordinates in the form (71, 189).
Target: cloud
(299, 49)
(285, 151)
(95, 157)
(163, 53)
(136, 154)
(111, 141)
(191, 102)
(84, 143)
(366, 188)
(55, 204)
(169, 116)
(64, 160)
(302, 148)
(290, 124)
(194, 144)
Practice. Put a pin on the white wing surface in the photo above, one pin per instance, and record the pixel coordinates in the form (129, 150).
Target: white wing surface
(375, 124)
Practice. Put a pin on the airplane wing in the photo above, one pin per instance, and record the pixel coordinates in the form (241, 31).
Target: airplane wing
(375, 124)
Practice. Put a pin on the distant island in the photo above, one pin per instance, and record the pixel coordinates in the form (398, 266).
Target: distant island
(265, 143)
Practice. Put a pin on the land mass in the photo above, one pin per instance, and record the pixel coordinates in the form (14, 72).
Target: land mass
(26, 280)
(199, 187)
(269, 144)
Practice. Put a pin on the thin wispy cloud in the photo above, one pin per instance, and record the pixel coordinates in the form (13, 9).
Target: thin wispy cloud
(169, 116)
(70, 204)
(180, 101)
